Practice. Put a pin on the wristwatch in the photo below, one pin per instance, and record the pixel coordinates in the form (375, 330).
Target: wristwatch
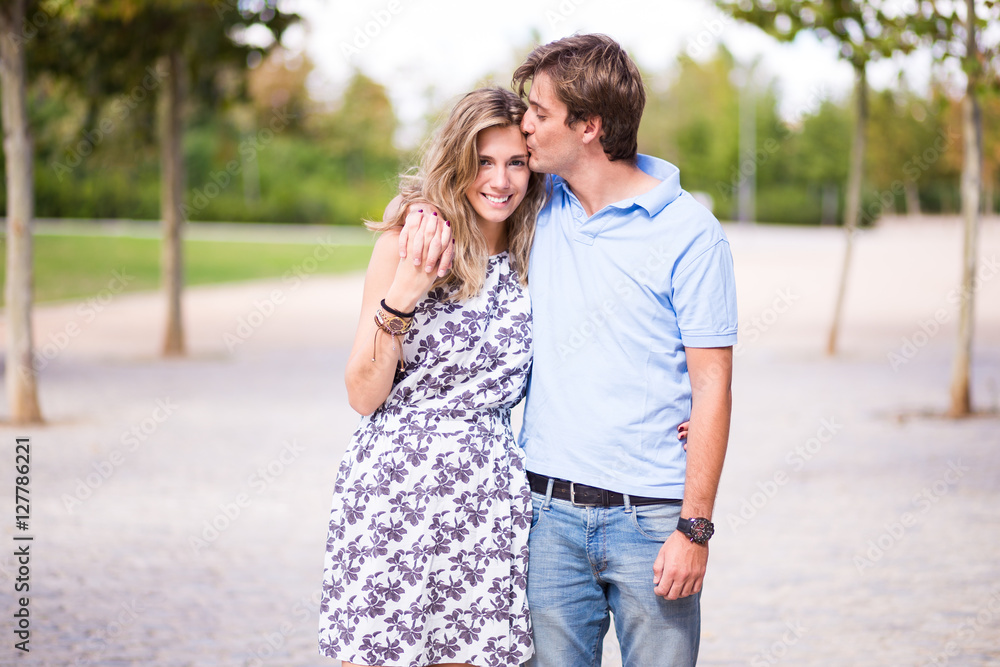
(698, 530)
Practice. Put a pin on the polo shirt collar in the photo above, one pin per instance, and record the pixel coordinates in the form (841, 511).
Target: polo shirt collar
(669, 188)
(654, 200)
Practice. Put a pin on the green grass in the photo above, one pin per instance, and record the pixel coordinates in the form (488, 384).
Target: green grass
(71, 267)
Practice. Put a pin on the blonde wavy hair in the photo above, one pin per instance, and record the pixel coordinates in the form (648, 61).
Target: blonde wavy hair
(449, 167)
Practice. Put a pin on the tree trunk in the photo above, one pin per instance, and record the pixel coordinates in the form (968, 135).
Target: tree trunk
(972, 132)
(830, 202)
(21, 380)
(171, 200)
(853, 204)
(912, 198)
(746, 196)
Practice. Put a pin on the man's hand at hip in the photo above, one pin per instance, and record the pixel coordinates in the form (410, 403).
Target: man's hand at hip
(680, 566)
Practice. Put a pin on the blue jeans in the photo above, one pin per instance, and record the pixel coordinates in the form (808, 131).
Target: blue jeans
(585, 561)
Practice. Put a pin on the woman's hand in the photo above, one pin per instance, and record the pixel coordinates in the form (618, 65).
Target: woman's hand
(428, 237)
(682, 433)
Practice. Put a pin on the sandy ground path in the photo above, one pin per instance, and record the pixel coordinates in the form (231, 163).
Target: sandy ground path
(179, 507)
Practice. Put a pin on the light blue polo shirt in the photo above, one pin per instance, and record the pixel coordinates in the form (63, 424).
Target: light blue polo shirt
(615, 300)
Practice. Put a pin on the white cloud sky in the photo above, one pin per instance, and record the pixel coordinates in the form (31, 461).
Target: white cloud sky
(414, 47)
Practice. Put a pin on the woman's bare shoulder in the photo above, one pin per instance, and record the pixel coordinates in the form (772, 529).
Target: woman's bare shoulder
(385, 253)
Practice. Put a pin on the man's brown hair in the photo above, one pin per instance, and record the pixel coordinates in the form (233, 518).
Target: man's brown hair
(593, 76)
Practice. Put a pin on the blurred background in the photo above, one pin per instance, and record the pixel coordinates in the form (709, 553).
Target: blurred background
(356, 88)
(184, 184)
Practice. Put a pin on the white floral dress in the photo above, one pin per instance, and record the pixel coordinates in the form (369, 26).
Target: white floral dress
(427, 554)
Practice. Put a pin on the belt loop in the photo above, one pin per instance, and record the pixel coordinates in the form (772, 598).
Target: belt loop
(628, 502)
(548, 493)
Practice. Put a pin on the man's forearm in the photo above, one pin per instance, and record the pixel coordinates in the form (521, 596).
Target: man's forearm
(708, 435)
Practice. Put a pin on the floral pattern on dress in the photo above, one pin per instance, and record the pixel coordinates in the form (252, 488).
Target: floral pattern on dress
(427, 551)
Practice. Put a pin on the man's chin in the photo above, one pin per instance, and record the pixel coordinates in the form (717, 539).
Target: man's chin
(535, 165)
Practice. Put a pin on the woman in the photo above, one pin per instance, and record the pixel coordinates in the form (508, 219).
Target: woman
(427, 551)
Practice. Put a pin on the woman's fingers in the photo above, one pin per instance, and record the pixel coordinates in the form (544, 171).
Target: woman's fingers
(447, 257)
(415, 242)
(426, 239)
(429, 229)
(413, 218)
(439, 244)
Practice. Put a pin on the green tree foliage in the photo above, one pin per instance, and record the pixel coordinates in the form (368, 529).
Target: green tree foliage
(360, 130)
(301, 175)
(696, 119)
(814, 160)
(912, 152)
(963, 33)
(858, 28)
(112, 47)
(822, 145)
(94, 97)
(692, 119)
(991, 150)
(338, 163)
(279, 82)
(97, 73)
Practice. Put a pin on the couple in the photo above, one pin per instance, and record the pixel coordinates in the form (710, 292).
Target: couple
(628, 332)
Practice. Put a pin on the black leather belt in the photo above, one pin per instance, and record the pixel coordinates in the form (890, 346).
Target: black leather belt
(581, 494)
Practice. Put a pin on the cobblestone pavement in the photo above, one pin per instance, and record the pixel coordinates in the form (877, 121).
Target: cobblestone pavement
(179, 507)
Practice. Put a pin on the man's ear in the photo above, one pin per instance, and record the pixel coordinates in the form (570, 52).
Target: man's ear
(592, 129)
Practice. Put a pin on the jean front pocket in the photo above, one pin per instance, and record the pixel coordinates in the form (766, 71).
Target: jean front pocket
(656, 522)
(536, 510)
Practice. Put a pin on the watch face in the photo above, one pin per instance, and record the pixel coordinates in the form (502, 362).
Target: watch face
(700, 530)
(397, 325)
(392, 324)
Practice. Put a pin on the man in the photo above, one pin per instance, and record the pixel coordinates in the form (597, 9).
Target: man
(634, 319)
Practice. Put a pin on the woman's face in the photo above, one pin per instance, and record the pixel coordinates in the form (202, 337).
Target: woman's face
(503, 175)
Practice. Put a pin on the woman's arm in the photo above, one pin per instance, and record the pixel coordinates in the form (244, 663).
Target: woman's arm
(374, 358)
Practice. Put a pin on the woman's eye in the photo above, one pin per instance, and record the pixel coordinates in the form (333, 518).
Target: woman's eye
(484, 162)
(517, 163)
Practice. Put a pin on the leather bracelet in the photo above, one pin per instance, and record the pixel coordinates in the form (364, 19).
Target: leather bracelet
(397, 313)
(394, 326)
